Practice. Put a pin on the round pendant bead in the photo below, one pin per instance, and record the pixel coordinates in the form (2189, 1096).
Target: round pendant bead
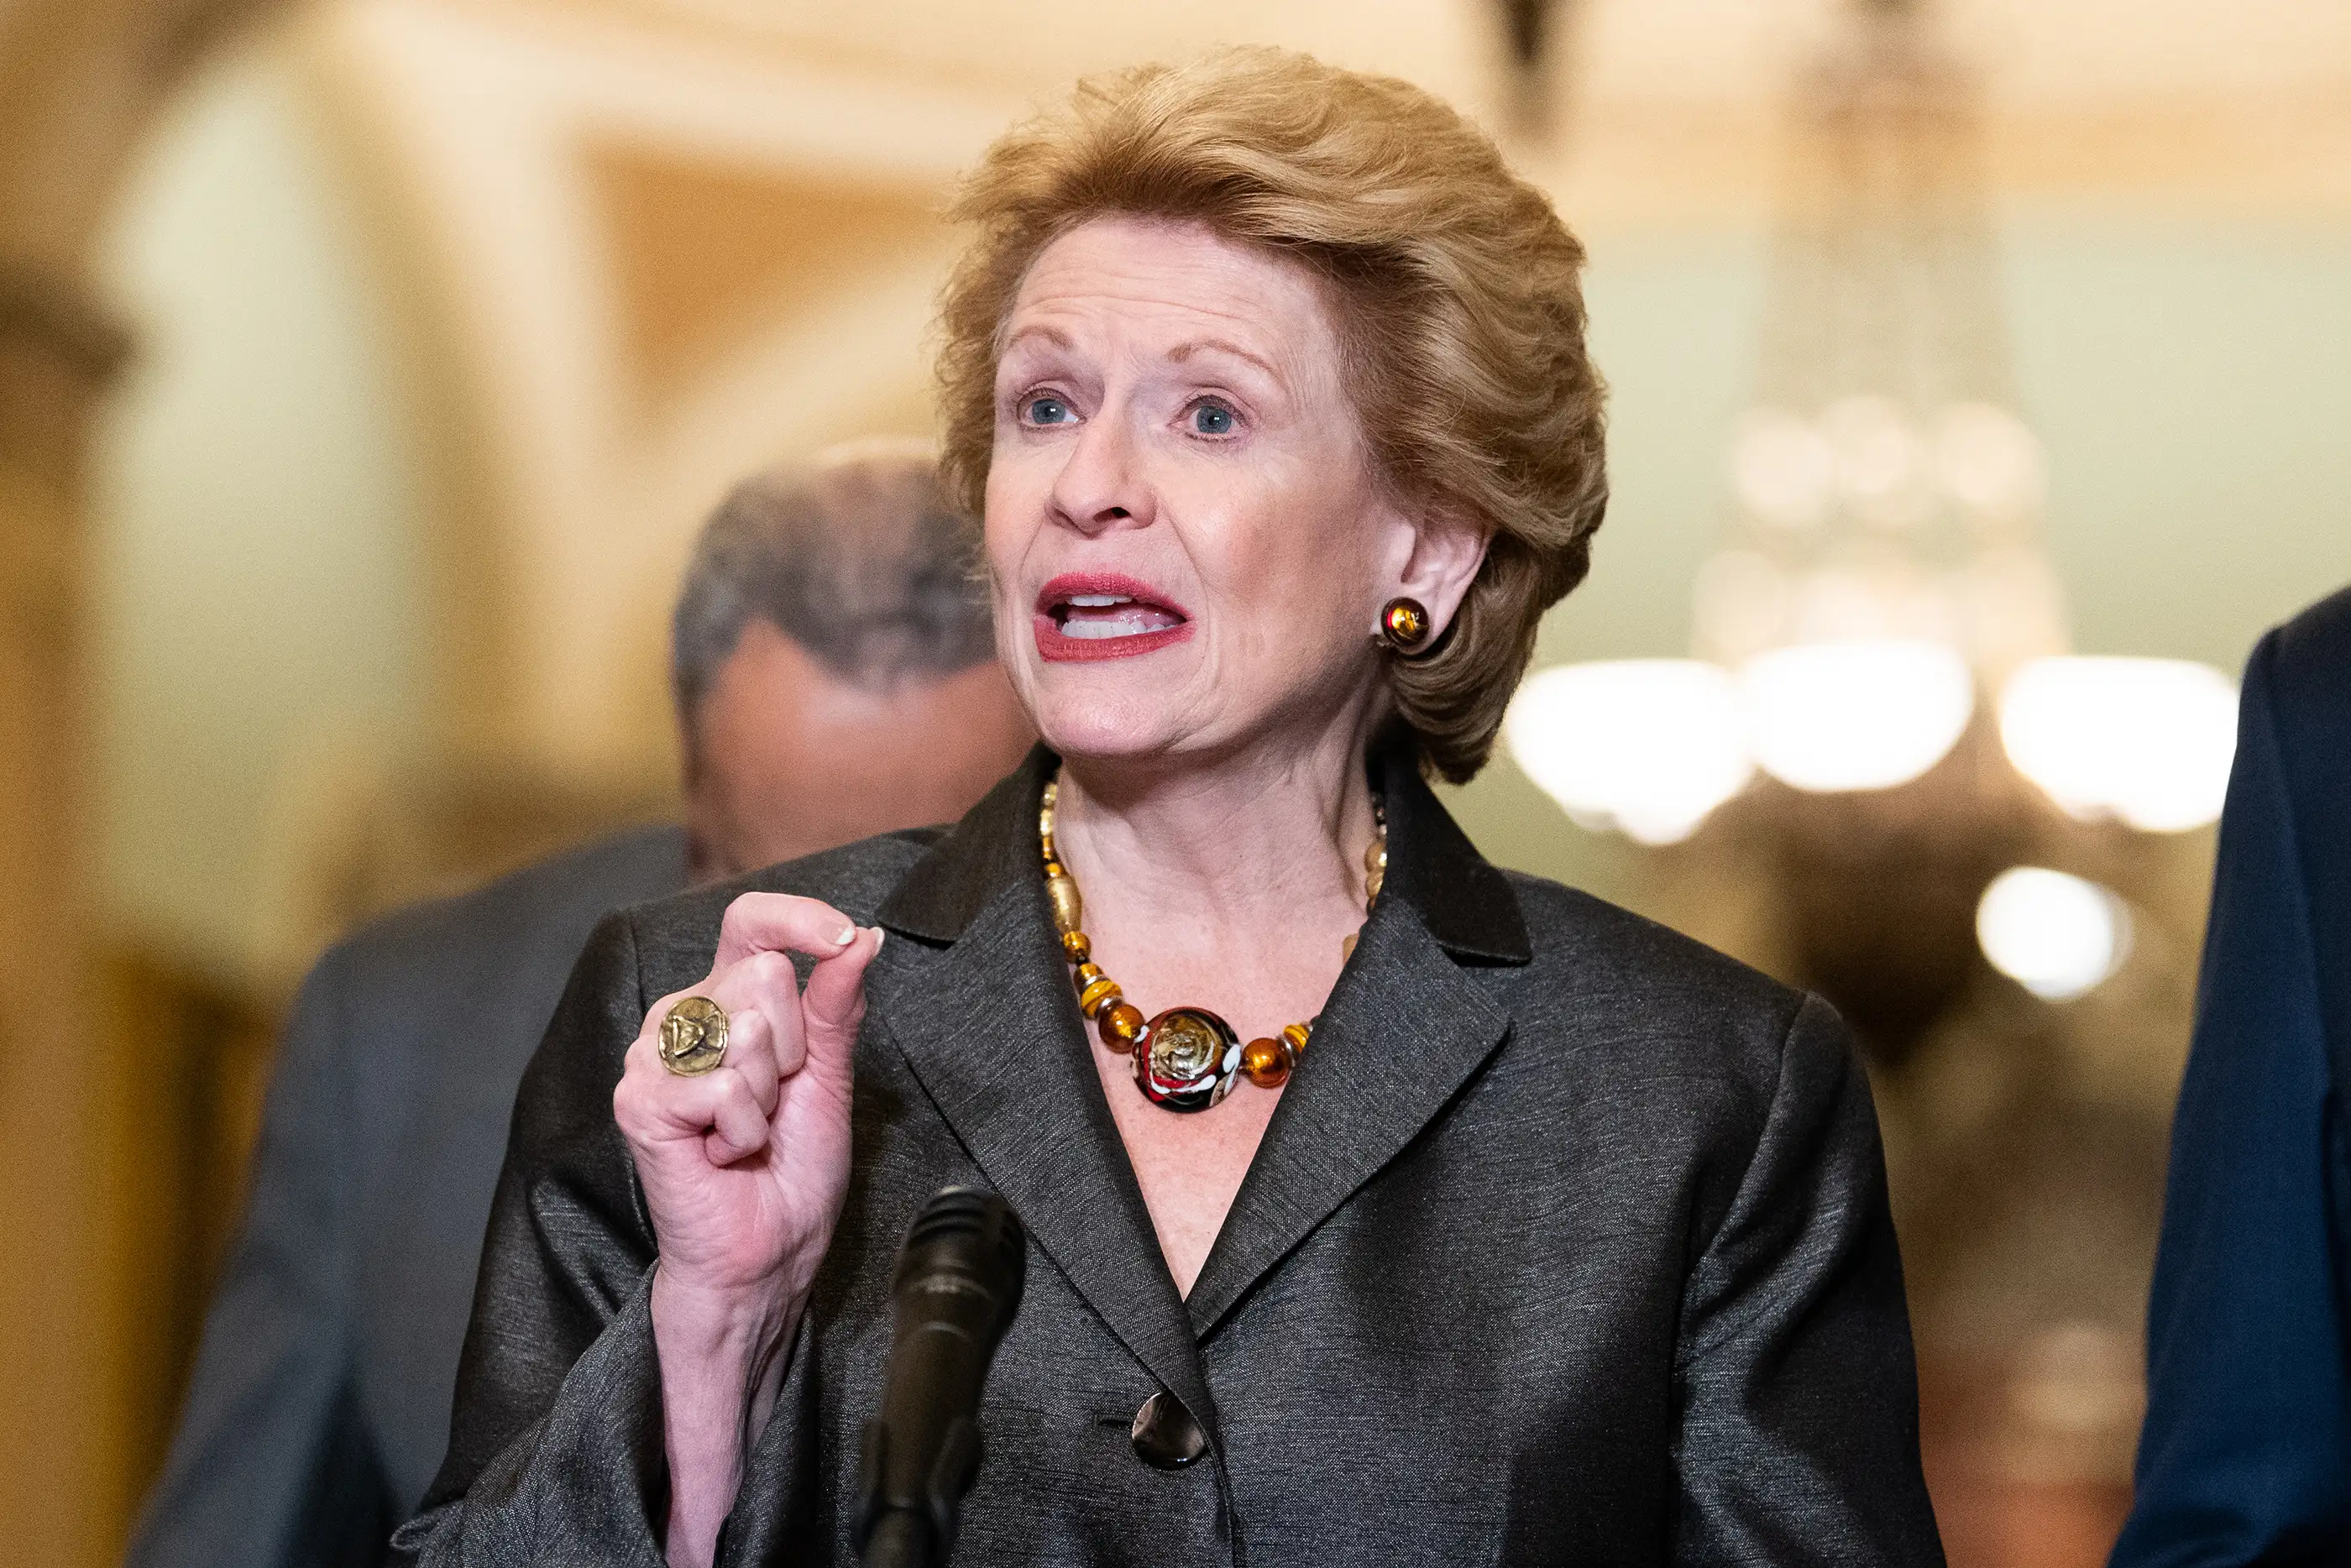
(1076, 947)
(1187, 1060)
(1120, 1026)
(1098, 996)
(1267, 1063)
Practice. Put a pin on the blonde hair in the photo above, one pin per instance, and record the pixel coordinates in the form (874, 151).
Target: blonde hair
(1456, 299)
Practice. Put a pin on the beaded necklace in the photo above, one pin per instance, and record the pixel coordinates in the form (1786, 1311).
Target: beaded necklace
(1186, 1058)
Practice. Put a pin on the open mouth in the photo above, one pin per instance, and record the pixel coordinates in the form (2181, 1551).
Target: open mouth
(1092, 615)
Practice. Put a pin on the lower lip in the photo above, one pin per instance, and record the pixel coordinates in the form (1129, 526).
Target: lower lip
(1055, 647)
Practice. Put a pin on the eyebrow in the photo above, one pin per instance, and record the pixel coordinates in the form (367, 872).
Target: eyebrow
(1053, 335)
(1183, 351)
(1177, 355)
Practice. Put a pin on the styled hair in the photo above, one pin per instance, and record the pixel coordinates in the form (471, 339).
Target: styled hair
(857, 558)
(1455, 292)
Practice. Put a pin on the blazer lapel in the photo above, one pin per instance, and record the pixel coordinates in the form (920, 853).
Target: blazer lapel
(989, 1028)
(1404, 1029)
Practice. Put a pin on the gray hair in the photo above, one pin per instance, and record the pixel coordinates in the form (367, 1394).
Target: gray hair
(858, 559)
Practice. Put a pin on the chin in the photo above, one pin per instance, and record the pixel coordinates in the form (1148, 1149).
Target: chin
(1076, 721)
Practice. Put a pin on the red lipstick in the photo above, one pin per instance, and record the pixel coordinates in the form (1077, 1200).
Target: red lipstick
(1084, 616)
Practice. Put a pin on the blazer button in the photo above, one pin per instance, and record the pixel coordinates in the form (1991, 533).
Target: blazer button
(1164, 1434)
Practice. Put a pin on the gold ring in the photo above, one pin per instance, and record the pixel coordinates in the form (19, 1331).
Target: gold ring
(693, 1037)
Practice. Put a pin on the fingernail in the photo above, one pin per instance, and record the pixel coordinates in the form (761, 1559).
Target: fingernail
(848, 935)
(878, 934)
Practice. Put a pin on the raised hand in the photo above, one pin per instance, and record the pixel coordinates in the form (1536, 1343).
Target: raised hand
(744, 1169)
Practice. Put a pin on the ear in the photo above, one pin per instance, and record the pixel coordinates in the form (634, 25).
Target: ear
(1439, 550)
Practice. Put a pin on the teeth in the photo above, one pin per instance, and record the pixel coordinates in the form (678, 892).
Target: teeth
(1098, 628)
(1098, 601)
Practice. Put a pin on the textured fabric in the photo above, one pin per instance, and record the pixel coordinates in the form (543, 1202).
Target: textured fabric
(320, 1407)
(2246, 1454)
(1567, 1244)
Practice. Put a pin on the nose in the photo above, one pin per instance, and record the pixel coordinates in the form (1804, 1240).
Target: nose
(1102, 486)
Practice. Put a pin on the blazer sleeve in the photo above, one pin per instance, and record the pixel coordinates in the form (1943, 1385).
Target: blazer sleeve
(270, 1464)
(2246, 1453)
(556, 1450)
(1799, 1431)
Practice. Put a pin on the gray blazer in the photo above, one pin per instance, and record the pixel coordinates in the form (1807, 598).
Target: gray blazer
(1567, 1244)
(320, 1406)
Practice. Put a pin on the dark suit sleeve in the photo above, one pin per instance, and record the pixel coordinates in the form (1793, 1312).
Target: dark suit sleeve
(270, 1464)
(556, 1448)
(1799, 1431)
(2245, 1455)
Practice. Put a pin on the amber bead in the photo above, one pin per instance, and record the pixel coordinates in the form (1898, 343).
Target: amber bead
(1088, 974)
(1069, 910)
(1076, 947)
(1097, 996)
(1120, 1026)
(1267, 1063)
(1375, 854)
(1295, 1036)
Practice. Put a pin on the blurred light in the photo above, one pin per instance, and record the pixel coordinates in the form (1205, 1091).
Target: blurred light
(1648, 746)
(1876, 602)
(1882, 462)
(1855, 715)
(2149, 741)
(1781, 467)
(2057, 936)
(1987, 459)
(2080, 1380)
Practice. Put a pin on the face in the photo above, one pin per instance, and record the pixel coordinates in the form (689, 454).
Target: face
(1190, 545)
(789, 759)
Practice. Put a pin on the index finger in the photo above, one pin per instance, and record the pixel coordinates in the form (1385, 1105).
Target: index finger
(781, 922)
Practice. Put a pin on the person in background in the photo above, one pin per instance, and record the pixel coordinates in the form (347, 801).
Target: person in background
(2246, 1454)
(834, 674)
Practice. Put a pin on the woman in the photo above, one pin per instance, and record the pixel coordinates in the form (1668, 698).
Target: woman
(1519, 1229)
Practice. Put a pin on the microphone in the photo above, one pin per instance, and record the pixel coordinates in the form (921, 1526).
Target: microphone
(953, 1295)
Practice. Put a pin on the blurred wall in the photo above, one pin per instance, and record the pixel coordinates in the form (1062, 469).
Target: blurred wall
(258, 574)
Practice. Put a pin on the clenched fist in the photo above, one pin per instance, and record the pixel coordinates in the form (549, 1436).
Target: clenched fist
(743, 1170)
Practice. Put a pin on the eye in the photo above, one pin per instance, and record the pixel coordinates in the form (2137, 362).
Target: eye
(1211, 418)
(1044, 409)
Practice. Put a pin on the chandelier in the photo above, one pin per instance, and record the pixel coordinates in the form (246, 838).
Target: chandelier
(1881, 644)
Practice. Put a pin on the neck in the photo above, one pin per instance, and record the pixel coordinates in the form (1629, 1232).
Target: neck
(1270, 837)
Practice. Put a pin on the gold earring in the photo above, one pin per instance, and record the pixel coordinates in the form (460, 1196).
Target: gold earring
(1403, 628)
